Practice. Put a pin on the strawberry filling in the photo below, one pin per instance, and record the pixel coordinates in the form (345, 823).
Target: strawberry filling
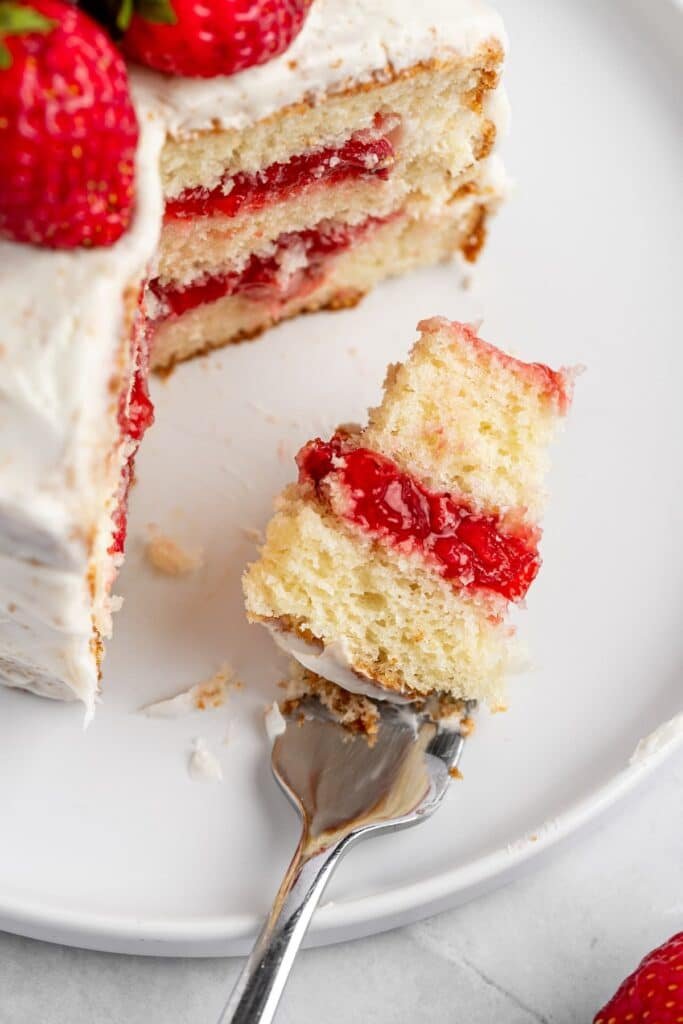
(468, 547)
(365, 155)
(297, 266)
(136, 414)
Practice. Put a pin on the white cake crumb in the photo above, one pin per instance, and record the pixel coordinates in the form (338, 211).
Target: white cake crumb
(252, 534)
(171, 707)
(204, 696)
(203, 765)
(660, 739)
(168, 557)
(274, 721)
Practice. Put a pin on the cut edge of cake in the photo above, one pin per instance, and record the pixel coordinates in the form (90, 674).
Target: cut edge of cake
(345, 586)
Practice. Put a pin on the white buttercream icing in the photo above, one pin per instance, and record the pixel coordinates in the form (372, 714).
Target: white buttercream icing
(334, 663)
(62, 327)
(343, 41)
(63, 318)
(173, 707)
(664, 736)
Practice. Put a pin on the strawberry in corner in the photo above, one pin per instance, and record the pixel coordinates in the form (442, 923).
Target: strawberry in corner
(68, 130)
(208, 38)
(653, 994)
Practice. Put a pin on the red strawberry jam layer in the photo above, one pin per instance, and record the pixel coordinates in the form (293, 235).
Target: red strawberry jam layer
(365, 155)
(297, 266)
(470, 548)
(136, 414)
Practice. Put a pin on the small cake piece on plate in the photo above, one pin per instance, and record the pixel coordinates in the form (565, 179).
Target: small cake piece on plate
(390, 565)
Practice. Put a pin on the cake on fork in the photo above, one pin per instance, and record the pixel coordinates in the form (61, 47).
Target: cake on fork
(390, 565)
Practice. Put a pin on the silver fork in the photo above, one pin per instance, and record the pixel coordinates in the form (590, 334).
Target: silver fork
(345, 789)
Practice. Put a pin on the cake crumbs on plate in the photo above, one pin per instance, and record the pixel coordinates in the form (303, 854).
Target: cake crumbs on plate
(202, 764)
(455, 773)
(168, 557)
(204, 696)
(253, 534)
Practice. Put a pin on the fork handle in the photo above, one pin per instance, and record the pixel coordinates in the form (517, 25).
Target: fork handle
(259, 987)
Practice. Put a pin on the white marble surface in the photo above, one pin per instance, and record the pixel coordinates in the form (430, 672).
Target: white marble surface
(549, 947)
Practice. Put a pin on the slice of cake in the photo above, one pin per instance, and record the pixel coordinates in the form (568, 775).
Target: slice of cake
(361, 152)
(390, 565)
(158, 215)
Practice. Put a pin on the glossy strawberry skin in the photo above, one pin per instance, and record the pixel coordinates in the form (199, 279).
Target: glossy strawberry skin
(653, 994)
(214, 37)
(68, 134)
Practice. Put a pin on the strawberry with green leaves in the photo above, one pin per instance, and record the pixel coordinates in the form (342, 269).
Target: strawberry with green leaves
(68, 130)
(205, 38)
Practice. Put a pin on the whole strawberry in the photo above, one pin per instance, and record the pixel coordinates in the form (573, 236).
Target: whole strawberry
(214, 37)
(653, 994)
(68, 130)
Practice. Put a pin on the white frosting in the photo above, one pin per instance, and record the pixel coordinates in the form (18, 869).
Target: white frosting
(334, 663)
(274, 722)
(203, 765)
(204, 696)
(173, 707)
(342, 41)
(660, 739)
(62, 326)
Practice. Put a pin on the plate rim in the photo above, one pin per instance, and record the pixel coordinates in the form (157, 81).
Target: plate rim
(232, 935)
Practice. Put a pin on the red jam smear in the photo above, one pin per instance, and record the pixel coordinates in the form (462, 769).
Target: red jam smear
(135, 416)
(368, 154)
(266, 278)
(467, 547)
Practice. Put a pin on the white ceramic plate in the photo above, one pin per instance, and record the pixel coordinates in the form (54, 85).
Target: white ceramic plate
(105, 841)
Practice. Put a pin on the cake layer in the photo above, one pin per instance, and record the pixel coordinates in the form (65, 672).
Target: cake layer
(472, 549)
(390, 621)
(392, 248)
(370, 575)
(293, 266)
(407, 145)
(465, 416)
(366, 154)
(316, 91)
